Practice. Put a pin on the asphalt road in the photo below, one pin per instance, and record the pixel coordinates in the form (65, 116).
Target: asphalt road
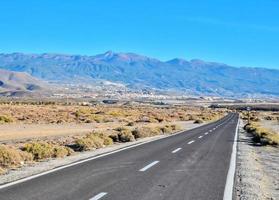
(190, 165)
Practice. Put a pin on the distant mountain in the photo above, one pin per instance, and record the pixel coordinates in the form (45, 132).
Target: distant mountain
(18, 84)
(193, 77)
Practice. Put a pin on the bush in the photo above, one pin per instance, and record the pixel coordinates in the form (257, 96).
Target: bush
(126, 136)
(43, 150)
(143, 132)
(2, 171)
(262, 135)
(166, 129)
(62, 151)
(176, 127)
(198, 121)
(5, 119)
(107, 140)
(88, 143)
(11, 157)
(131, 124)
(93, 141)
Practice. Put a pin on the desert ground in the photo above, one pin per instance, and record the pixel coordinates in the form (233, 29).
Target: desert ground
(32, 132)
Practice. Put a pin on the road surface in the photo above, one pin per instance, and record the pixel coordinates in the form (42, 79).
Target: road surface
(190, 165)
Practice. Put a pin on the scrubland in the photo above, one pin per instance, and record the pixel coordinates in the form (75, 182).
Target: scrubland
(110, 124)
(263, 127)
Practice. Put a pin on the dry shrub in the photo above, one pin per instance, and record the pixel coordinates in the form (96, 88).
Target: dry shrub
(144, 131)
(11, 157)
(130, 124)
(198, 121)
(176, 127)
(93, 141)
(123, 135)
(262, 135)
(88, 143)
(126, 136)
(44, 150)
(2, 171)
(166, 129)
(107, 140)
(5, 119)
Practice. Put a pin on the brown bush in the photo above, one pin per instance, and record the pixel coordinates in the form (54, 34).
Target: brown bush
(262, 135)
(11, 157)
(5, 119)
(44, 150)
(198, 121)
(126, 136)
(2, 171)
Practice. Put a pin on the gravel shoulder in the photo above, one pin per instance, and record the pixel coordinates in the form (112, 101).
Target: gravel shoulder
(257, 169)
(43, 166)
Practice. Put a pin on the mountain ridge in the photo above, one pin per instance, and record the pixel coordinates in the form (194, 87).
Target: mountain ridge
(194, 76)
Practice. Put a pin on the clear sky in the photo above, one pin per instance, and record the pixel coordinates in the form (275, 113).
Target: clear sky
(236, 32)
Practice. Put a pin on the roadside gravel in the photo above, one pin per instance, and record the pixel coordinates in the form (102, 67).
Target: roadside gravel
(257, 170)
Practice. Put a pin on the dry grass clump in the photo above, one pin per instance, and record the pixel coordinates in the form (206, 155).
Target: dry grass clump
(262, 135)
(12, 158)
(2, 171)
(5, 119)
(147, 131)
(254, 116)
(123, 135)
(93, 141)
(198, 121)
(44, 150)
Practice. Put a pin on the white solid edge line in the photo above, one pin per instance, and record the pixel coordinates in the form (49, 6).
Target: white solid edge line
(200, 136)
(176, 150)
(149, 166)
(191, 142)
(82, 161)
(99, 196)
(228, 192)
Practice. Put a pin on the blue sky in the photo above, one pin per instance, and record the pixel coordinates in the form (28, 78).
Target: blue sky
(236, 32)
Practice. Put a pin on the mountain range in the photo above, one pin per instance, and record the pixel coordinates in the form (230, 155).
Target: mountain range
(133, 70)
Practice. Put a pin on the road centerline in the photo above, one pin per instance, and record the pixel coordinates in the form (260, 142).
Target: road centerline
(206, 133)
(200, 136)
(176, 150)
(149, 166)
(191, 142)
(99, 196)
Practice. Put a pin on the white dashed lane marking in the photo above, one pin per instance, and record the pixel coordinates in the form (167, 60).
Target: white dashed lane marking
(191, 142)
(98, 196)
(149, 166)
(176, 150)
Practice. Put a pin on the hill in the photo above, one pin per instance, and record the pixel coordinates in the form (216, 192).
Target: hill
(18, 84)
(193, 77)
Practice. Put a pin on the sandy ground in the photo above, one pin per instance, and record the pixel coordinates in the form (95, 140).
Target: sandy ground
(54, 163)
(273, 125)
(19, 132)
(10, 132)
(257, 175)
